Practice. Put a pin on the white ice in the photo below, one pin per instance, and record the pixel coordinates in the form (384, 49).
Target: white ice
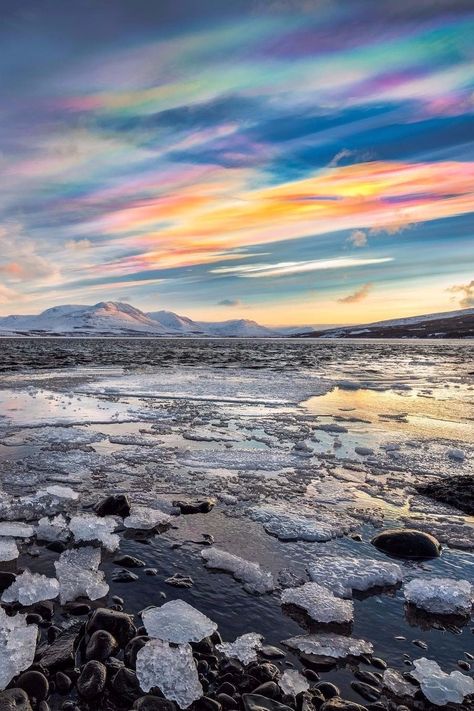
(397, 684)
(289, 526)
(17, 646)
(29, 588)
(142, 517)
(345, 574)
(255, 578)
(15, 529)
(89, 527)
(292, 682)
(243, 648)
(52, 529)
(330, 645)
(177, 622)
(441, 688)
(78, 574)
(441, 595)
(319, 602)
(62, 492)
(8, 549)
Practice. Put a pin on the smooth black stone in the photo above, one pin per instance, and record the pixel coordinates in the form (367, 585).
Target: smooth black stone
(327, 689)
(45, 609)
(367, 677)
(153, 703)
(226, 688)
(268, 689)
(125, 685)
(407, 543)
(78, 608)
(6, 579)
(367, 691)
(272, 652)
(44, 706)
(338, 704)
(60, 653)
(226, 701)
(129, 561)
(254, 702)
(207, 704)
(101, 646)
(320, 663)
(14, 700)
(310, 674)
(124, 576)
(378, 663)
(114, 505)
(194, 507)
(52, 634)
(118, 624)
(150, 571)
(457, 491)
(35, 684)
(92, 680)
(56, 546)
(132, 649)
(63, 682)
(266, 671)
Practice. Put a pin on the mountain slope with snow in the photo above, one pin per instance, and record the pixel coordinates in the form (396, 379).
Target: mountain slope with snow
(242, 328)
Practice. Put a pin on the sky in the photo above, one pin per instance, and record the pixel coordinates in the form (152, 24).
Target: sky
(288, 161)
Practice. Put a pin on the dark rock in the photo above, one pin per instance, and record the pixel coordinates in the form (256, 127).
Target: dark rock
(318, 662)
(101, 646)
(35, 684)
(180, 581)
(407, 543)
(338, 704)
(124, 576)
(367, 691)
(378, 663)
(129, 561)
(310, 674)
(153, 703)
(56, 546)
(14, 700)
(272, 652)
(78, 608)
(367, 677)
(254, 702)
(266, 671)
(6, 579)
(114, 505)
(118, 624)
(132, 649)
(32, 618)
(60, 653)
(53, 633)
(194, 507)
(150, 571)
(44, 608)
(125, 685)
(268, 689)
(327, 689)
(457, 491)
(92, 680)
(207, 704)
(226, 688)
(63, 682)
(226, 701)
(44, 706)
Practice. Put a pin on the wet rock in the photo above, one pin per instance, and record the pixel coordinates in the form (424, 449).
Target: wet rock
(114, 505)
(456, 491)
(338, 704)
(150, 571)
(153, 703)
(35, 684)
(180, 581)
(327, 689)
(32, 618)
(368, 692)
(132, 649)
(318, 662)
(63, 682)
(125, 685)
(78, 608)
(378, 663)
(124, 576)
(60, 653)
(272, 652)
(207, 704)
(14, 700)
(129, 561)
(269, 689)
(101, 646)
(44, 706)
(45, 609)
(407, 543)
(367, 677)
(255, 702)
(6, 579)
(194, 507)
(119, 624)
(226, 701)
(92, 680)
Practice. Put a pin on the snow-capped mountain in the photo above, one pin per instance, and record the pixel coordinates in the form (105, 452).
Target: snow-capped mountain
(110, 318)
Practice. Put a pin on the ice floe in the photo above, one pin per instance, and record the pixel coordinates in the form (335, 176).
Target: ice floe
(343, 574)
(52, 529)
(293, 682)
(319, 602)
(178, 622)
(145, 518)
(8, 549)
(254, 578)
(441, 688)
(243, 648)
(17, 646)
(16, 529)
(89, 527)
(78, 574)
(444, 596)
(329, 645)
(289, 526)
(29, 588)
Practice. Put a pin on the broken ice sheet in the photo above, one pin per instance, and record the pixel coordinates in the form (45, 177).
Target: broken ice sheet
(329, 645)
(89, 527)
(142, 517)
(441, 688)
(397, 684)
(342, 575)
(171, 669)
(62, 492)
(78, 574)
(444, 596)
(177, 622)
(255, 579)
(52, 529)
(319, 602)
(8, 549)
(15, 529)
(29, 588)
(243, 648)
(17, 646)
(286, 525)
(292, 682)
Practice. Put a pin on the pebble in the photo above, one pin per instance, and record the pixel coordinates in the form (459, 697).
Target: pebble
(101, 645)
(63, 682)
(119, 624)
(129, 561)
(34, 683)
(14, 700)
(327, 689)
(124, 576)
(92, 680)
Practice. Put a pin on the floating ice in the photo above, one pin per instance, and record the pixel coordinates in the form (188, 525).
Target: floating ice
(52, 529)
(89, 527)
(345, 574)
(288, 526)
(441, 688)
(62, 492)
(241, 459)
(319, 602)
(78, 574)
(441, 595)
(397, 684)
(17, 646)
(255, 579)
(243, 648)
(15, 529)
(8, 549)
(330, 645)
(292, 682)
(171, 669)
(142, 517)
(177, 622)
(29, 588)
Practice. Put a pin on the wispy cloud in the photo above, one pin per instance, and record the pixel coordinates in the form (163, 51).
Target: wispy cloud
(289, 268)
(464, 293)
(357, 238)
(358, 295)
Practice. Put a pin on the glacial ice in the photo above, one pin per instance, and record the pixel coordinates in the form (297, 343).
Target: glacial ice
(15, 529)
(397, 684)
(243, 648)
(78, 574)
(288, 526)
(441, 595)
(142, 517)
(441, 688)
(29, 588)
(177, 622)
(292, 682)
(342, 575)
(89, 527)
(329, 645)
(171, 669)
(17, 646)
(8, 549)
(52, 529)
(255, 579)
(319, 602)
(62, 492)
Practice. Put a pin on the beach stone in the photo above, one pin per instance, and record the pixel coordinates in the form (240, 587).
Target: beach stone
(78, 608)
(194, 507)
(63, 682)
(60, 653)
(269, 689)
(272, 652)
(44, 706)
(457, 491)
(368, 692)
(113, 505)
(226, 701)
(338, 704)
(124, 576)
(101, 646)
(407, 543)
(125, 684)
(92, 680)
(180, 581)
(45, 608)
(153, 703)
(132, 649)
(119, 624)
(14, 700)
(35, 684)
(327, 689)
(129, 561)
(255, 702)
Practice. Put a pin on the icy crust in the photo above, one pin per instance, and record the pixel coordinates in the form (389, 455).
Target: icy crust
(89, 527)
(171, 669)
(342, 575)
(78, 574)
(29, 588)
(254, 578)
(177, 622)
(144, 518)
(243, 648)
(17, 646)
(319, 602)
(292, 682)
(15, 529)
(8, 549)
(52, 529)
(329, 645)
(444, 596)
(441, 688)
(241, 459)
(45, 502)
(288, 526)
(397, 684)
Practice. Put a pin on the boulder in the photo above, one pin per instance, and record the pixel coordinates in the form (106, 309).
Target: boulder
(407, 543)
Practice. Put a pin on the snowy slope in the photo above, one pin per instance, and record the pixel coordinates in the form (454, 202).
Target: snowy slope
(242, 328)
(176, 324)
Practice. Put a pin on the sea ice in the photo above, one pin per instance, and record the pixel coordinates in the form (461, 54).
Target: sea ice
(441, 595)
(319, 602)
(243, 648)
(171, 669)
(78, 574)
(29, 588)
(441, 688)
(345, 574)
(62, 492)
(292, 682)
(17, 646)
(288, 526)
(89, 527)
(397, 684)
(8, 549)
(142, 517)
(329, 645)
(177, 622)
(15, 529)
(241, 459)
(255, 579)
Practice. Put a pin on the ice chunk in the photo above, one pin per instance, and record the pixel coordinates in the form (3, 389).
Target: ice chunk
(243, 648)
(89, 527)
(255, 579)
(62, 492)
(17, 646)
(330, 645)
(441, 595)
(289, 526)
(441, 688)
(177, 622)
(319, 602)
(345, 574)
(15, 529)
(397, 684)
(171, 669)
(29, 588)
(456, 454)
(78, 574)
(52, 529)
(292, 682)
(8, 549)
(142, 517)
